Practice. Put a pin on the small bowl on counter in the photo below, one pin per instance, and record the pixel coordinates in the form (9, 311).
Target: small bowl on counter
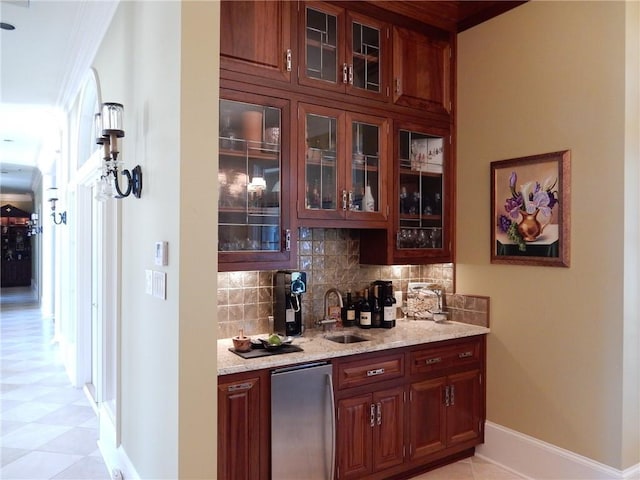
(241, 343)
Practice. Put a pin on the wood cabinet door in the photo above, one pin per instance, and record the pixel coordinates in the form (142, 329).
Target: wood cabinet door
(254, 175)
(368, 57)
(239, 429)
(421, 71)
(255, 38)
(344, 159)
(356, 421)
(427, 417)
(388, 441)
(463, 413)
(321, 46)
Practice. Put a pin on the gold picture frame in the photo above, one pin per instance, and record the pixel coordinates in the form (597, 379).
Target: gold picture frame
(530, 210)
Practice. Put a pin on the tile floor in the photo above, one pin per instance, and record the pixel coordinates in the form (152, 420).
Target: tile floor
(473, 468)
(49, 429)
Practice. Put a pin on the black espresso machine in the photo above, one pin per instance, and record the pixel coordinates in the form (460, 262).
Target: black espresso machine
(288, 288)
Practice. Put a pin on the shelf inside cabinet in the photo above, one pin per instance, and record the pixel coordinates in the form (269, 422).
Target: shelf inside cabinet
(417, 173)
(415, 218)
(318, 44)
(257, 153)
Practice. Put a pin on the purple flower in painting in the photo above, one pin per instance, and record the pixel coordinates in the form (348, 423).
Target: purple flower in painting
(512, 180)
(504, 223)
(541, 202)
(513, 206)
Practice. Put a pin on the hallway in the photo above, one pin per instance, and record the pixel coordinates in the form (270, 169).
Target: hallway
(49, 429)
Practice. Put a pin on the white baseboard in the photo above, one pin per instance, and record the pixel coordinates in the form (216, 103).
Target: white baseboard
(535, 459)
(115, 458)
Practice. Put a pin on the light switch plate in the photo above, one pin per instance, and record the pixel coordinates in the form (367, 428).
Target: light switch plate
(160, 285)
(148, 282)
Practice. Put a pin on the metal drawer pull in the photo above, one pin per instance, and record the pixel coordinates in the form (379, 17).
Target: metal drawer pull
(288, 60)
(453, 395)
(379, 408)
(465, 354)
(345, 75)
(431, 361)
(373, 373)
(239, 386)
(372, 413)
(446, 396)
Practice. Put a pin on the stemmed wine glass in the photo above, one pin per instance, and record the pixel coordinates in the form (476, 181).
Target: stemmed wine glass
(405, 310)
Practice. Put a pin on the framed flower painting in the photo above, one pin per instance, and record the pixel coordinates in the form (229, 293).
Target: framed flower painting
(530, 210)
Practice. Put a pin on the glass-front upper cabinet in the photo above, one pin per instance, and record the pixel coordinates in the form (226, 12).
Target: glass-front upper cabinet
(422, 201)
(423, 193)
(345, 171)
(253, 223)
(343, 51)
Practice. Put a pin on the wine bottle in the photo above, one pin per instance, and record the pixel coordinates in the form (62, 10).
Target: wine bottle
(376, 308)
(365, 311)
(388, 308)
(349, 312)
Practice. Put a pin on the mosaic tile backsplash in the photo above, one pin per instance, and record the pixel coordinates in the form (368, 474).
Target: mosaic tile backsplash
(330, 258)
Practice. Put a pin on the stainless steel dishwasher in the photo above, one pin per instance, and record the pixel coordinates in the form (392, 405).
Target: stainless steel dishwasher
(302, 423)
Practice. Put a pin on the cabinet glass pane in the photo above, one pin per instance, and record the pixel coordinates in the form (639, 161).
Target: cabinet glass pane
(320, 172)
(365, 178)
(321, 46)
(366, 57)
(249, 177)
(421, 190)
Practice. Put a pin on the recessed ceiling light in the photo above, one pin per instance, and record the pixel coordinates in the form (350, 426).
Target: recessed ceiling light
(6, 26)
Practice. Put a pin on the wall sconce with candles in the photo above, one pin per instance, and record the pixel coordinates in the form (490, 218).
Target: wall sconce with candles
(108, 128)
(53, 198)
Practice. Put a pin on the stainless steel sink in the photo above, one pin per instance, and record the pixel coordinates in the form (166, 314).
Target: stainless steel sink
(347, 338)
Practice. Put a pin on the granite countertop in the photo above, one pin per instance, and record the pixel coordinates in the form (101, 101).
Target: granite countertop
(316, 347)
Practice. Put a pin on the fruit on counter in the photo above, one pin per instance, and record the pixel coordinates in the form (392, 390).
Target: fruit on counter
(274, 339)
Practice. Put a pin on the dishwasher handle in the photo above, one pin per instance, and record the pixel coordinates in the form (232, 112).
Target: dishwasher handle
(298, 367)
(333, 427)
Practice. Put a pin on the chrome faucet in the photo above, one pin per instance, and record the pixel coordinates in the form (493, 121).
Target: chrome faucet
(326, 297)
(326, 321)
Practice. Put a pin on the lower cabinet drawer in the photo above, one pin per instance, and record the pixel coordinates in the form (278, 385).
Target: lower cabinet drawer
(365, 372)
(437, 358)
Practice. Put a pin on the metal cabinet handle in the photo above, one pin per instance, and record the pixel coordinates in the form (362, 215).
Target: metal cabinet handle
(373, 373)
(350, 74)
(379, 413)
(287, 239)
(398, 85)
(452, 395)
(288, 61)
(344, 200)
(239, 386)
(372, 415)
(432, 361)
(350, 200)
(465, 354)
(446, 396)
(345, 77)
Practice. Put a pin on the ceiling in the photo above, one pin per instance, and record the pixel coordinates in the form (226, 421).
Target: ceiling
(44, 61)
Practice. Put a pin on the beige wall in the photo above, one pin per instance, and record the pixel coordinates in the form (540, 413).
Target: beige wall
(166, 76)
(544, 77)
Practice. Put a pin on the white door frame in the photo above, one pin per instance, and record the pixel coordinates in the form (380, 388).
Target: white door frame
(100, 303)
